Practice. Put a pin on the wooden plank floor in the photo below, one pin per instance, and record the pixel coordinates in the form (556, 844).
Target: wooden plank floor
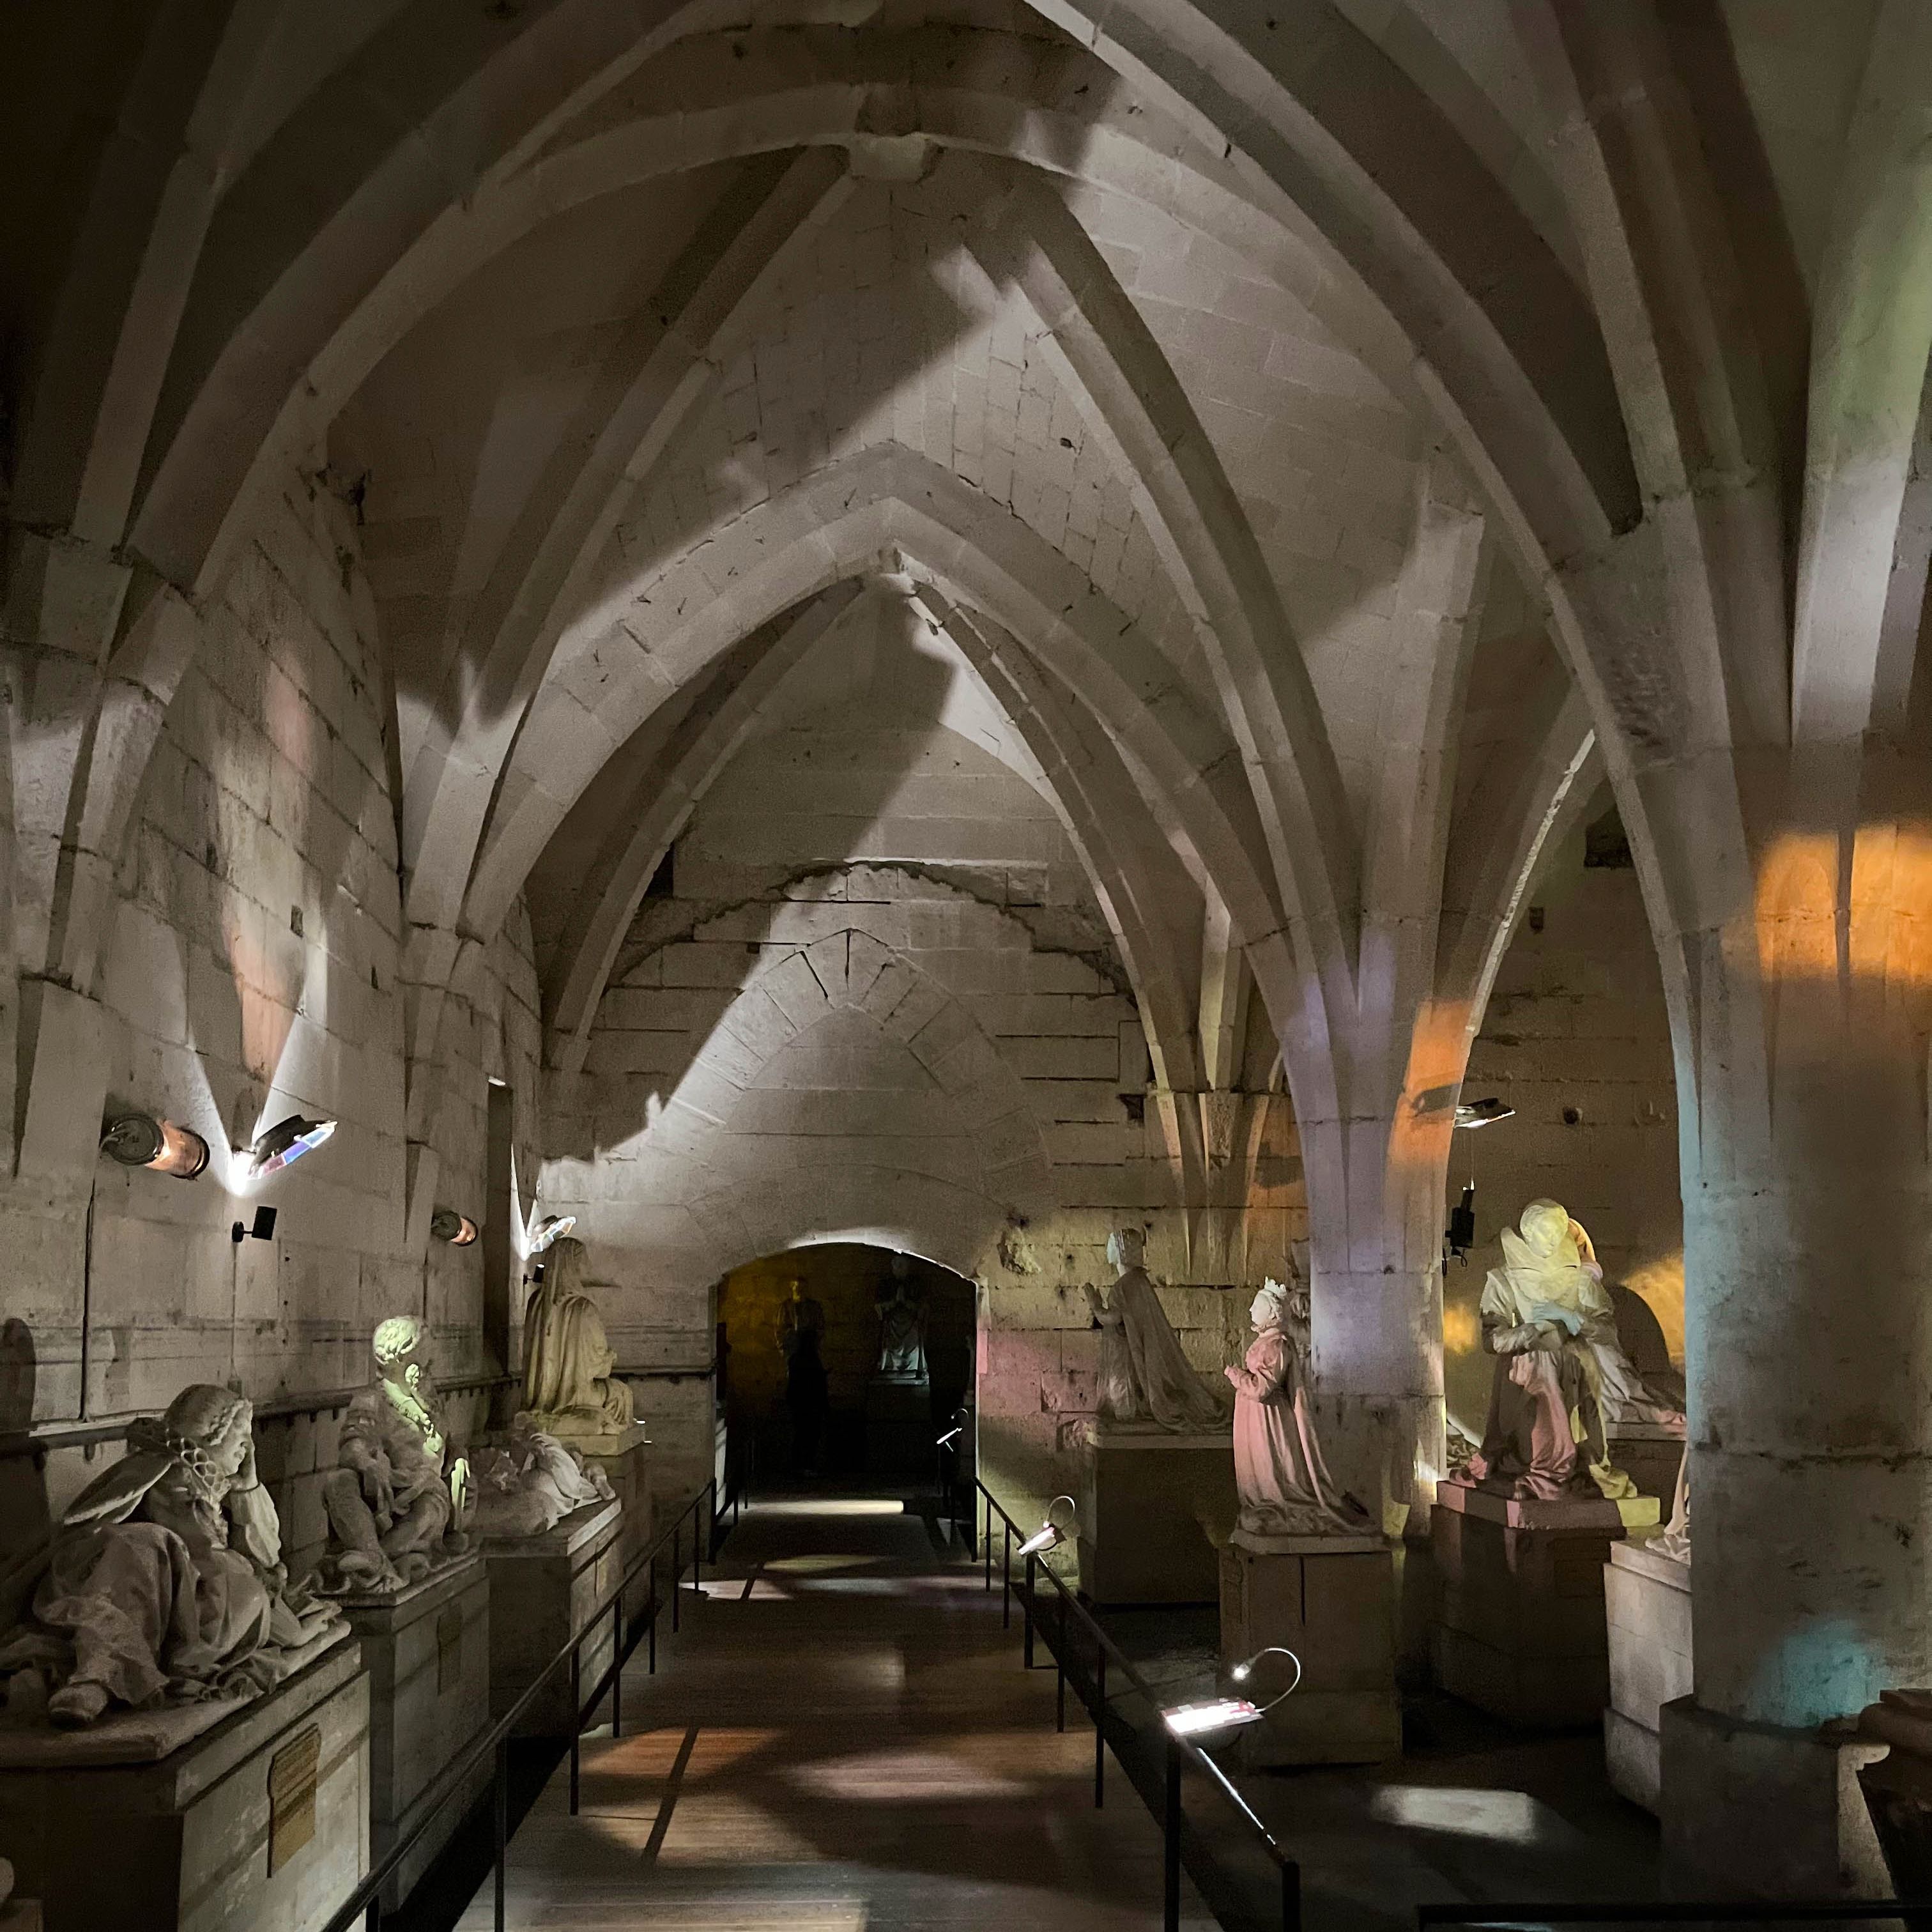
(842, 1737)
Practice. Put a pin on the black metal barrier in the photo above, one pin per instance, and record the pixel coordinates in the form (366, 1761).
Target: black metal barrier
(1677, 1912)
(703, 1511)
(1180, 1752)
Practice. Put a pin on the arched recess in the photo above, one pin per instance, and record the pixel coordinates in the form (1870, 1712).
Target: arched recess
(747, 1156)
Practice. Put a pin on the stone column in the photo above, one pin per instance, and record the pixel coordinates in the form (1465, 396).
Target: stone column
(1802, 1032)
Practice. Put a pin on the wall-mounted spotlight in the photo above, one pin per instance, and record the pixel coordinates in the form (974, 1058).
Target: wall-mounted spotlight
(138, 1140)
(951, 1436)
(262, 1229)
(447, 1225)
(1051, 1535)
(1482, 1113)
(286, 1142)
(549, 1230)
(1226, 1714)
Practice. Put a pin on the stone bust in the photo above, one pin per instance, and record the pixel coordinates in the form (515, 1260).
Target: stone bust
(570, 1379)
(396, 1504)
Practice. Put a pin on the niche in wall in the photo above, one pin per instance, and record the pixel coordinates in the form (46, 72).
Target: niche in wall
(846, 1279)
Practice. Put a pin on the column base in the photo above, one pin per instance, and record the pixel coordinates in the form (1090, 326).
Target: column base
(1762, 1811)
(1647, 1598)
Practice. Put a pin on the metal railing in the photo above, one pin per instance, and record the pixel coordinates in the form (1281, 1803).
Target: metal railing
(1674, 1911)
(703, 1511)
(1180, 1751)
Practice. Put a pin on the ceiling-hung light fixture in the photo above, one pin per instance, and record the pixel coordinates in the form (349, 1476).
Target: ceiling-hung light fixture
(138, 1140)
(1051, 1535)
(286, 1142)
(447, 1225)
(1482, 1113)
(549, 1230)
(1226, 1714)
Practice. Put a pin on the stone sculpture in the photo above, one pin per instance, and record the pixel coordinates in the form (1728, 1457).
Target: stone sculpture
(1562, 1378)
(163, 1583)
(902, 1327)
(801, 1329)
(1144, 1376)
(396, 1505)
(1283, 1484)
(569, 1378)
(1674, 1542)
(533, 1484)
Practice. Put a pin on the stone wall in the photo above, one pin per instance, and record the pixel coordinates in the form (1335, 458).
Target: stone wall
(251, 973)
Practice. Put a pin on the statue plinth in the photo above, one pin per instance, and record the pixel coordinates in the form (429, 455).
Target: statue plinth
(1520, 1627)
(427, 1650)
(899, 1428)
(1145, 1492)
(543, 1590)
(1647, 1607)
(1331, 1600)
(623, 1455)
(262, 1818)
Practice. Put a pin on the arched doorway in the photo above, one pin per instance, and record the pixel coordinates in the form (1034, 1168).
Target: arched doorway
(875, 1423)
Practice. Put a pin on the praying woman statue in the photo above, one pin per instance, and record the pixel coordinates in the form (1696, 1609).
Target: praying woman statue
(569, 1367)
(1144, 1375)
(1562, 1378)
(1284, 1484)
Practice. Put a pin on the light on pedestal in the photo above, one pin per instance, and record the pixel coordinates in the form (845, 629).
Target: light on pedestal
(1051, 1535)
(1228, 1714)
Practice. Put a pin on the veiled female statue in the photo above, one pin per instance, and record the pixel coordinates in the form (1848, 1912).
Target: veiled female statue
(1562, 1378)
(1145, 1376)
(568, 1362)
(1283, 1483)
(164, 1581)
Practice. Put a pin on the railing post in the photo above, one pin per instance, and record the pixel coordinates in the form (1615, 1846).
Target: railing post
(697, 1545)
(372, 1917)
(1007, 1581)
(576, 1722)
(989, 1545)
(1059, 1673)
(677, 1568)
(1291, 1898)
(1171, 1843)
(617, 1665)
(1100, 1730)
(502, 1808)
(651, 1611)
(1032, 1571)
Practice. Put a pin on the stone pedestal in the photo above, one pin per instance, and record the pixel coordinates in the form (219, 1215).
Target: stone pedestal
(1144, 1495)
(427, 1652)
(1649, 1453)
(543, 1590)
(1520, 1625)
(898, 1427)
(1331, 1600)
(1647, 1606)
(262, 1820)
(624, 1456)
(1760, 1811)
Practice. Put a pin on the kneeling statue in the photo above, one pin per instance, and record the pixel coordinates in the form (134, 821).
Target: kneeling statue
(1562, 1378)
